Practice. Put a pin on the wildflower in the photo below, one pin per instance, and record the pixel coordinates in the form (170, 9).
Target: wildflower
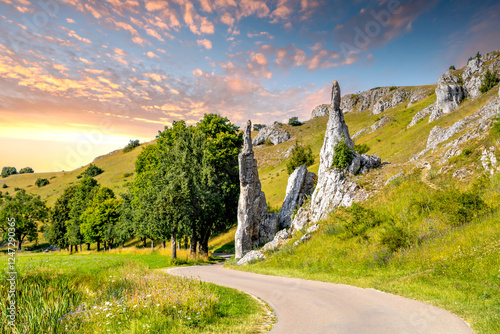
(107, 315)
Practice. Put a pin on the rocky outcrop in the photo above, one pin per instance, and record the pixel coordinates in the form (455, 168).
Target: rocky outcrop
(380, 123)
(251, 256)
(361, 164)
(334, 187)
(255, 225)
(489, 160)
(321, 110)
(300, 185)
(279, 239)
(347, 103)
(422, 114)
(416, 96)
(449, 93)
(394, 177)
(359, 133)
(275, 133)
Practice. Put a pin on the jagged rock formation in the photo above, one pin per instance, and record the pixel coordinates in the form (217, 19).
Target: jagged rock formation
(334, 186)
(300, 185)
(321, 110)
(347, 103)
(255, 225)
(449, 93)
(250, 257)
(380, 123)
(422, 114)
(489, 160)
(275, 133)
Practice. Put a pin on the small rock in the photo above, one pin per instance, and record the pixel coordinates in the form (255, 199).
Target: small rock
(305, 237)
(380, 123)
(392, 178)
(313, 228)
(275, 133)
(250, 257)
(359, 133)
(321, 110)
(278, 240)
(460, 173)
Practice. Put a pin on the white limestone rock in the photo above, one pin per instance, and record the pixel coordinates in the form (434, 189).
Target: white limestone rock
(449, 93)
(275, 133)
(394, 177)
(422, 114)
(302, 239)
(380, 123)
(300, 185)
(347, 103)
(251, 256)
(279, 239)
(321, 110)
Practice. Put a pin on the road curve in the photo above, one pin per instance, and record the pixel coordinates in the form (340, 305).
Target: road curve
(310, 307)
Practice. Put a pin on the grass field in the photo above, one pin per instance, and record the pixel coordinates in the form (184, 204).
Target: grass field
(122, 293)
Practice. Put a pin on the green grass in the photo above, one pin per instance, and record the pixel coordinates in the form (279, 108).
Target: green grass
(122, 293)
(447, 262)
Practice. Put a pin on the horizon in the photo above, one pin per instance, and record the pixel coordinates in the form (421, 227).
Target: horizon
(79, 80)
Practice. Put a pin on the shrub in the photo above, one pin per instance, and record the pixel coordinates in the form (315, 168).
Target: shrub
(343, 155)
(26, 170)
(393, 88)
(490, 80)
(362, 148)
(125, 175)
(41, 182)
(6, 171)
(356, 220)
(294, 121)
(452, 67)
(5, 185)
(268, 142)
(92, 171)
(258, 127)
(17, 189)
(131, 145)
(395, 237)
(301, 155)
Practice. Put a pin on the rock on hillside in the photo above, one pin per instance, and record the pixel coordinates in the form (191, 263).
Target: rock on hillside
(300, 185)
(334, 188)
(274, 133)
(321, 110)
(255, 225)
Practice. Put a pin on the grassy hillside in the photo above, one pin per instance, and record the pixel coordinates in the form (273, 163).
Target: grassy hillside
(118, 170)
(427, 235)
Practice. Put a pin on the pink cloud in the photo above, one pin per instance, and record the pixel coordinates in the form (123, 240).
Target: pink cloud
(204, 43)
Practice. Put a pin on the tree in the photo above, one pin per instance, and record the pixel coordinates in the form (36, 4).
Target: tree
(83, 196)
(124, 229)
(294, 121)
(28, 210)
(26, 170)
(91, 171)
(131, 145)
(40, 182)
(100, 218)
(6, 171)
(301, 155)
(490, 80)
(59, 217)
(258, 127)
(452, 67)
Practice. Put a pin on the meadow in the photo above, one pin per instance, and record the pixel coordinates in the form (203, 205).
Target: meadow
(122, 292)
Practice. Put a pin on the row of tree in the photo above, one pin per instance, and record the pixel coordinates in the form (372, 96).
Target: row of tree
(187, 186)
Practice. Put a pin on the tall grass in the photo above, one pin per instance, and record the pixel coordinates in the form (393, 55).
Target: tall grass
(119, 293)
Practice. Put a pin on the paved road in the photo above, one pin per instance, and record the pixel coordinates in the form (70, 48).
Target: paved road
(310, 307)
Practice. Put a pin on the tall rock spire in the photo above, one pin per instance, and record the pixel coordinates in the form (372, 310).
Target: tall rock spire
(335, 96)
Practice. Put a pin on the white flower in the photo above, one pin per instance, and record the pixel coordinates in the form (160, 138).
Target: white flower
(107, 315)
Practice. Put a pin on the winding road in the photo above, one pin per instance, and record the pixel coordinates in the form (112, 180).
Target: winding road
(310, 307)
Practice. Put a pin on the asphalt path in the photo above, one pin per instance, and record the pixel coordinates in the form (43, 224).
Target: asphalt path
(304, 306)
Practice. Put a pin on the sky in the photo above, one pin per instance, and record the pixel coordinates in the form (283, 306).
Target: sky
(79, 79)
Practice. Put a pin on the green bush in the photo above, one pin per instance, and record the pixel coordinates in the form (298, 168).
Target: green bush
(258, 127)
(490, 80)
(393, 88)
(5, 185)
(41, 182)
(395, 237)
(26, 170)
(356, 220)
(343, 155)
(362, 148)
(452, 67)
(131, 145)
(294, 121)
(301, 155)
(6, 171)
(92, 171)
(268, 142)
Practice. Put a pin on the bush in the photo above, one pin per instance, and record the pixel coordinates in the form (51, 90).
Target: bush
(268, 142)
(361, 149)
(452, 67)
(26, 170)
(6, 171)
(294, 121)
(41, 182)
(131, 145)
(395, 237)
(393, 88)
(356, 220)
(92, 171)
(301, 155)
(258, 127)
(5, 185)
(490, 80)
(343, 155)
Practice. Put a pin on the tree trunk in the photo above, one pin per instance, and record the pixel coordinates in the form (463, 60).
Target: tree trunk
(98, 246)
(152, 245)
(194, 242)
(123, 244)
(19, 242)
(163, 244)
(204, 245)
(174, 246)
(88, 246)
(80, 248)
(144, 242)
(71, 248)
